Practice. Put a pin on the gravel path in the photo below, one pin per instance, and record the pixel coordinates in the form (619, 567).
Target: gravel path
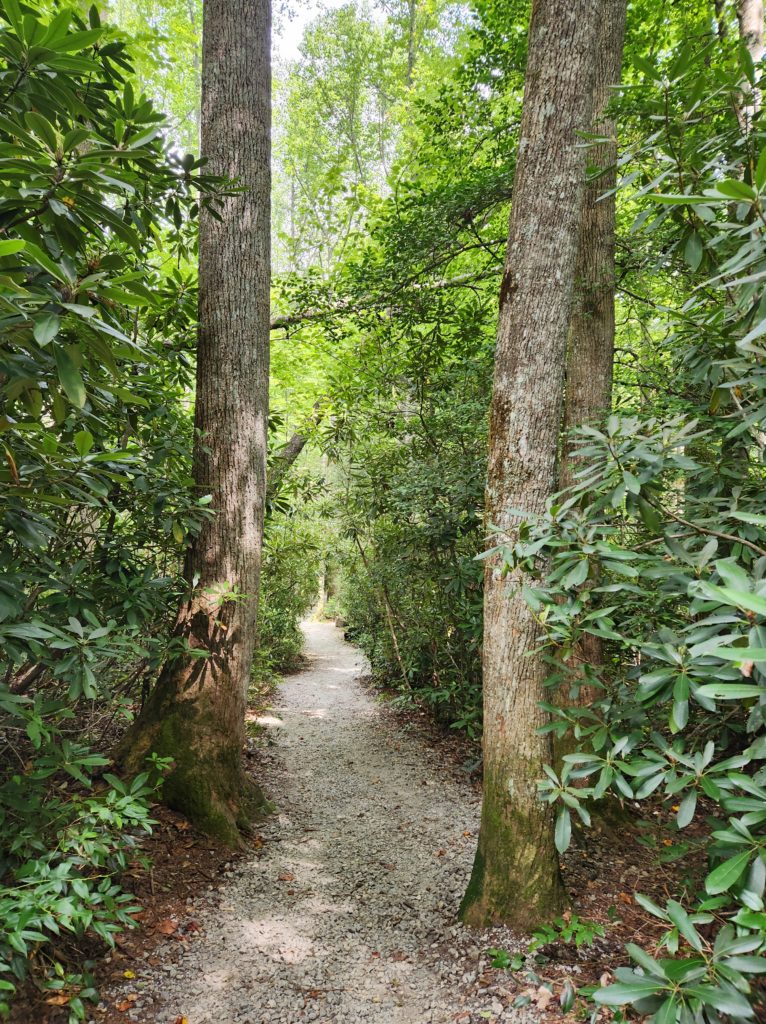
(348, 914)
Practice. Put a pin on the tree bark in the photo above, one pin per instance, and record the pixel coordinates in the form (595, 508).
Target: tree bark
(750, 18)
(590, 348)
(196, 713)
(516, 877)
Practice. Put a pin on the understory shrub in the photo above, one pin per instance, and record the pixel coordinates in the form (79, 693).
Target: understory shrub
(97, 308)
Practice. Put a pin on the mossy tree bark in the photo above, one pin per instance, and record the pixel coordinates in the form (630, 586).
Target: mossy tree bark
(516, 875)
(196, 713)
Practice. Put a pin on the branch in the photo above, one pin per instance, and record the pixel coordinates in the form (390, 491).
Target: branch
(370, 301)
(287, 456)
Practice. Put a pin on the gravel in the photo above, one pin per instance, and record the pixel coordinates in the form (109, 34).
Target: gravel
(348, 913)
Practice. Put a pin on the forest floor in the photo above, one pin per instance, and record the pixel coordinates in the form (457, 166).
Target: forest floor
(343, 908)
(346, 911)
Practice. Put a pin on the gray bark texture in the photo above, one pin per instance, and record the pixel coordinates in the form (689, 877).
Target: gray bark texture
(516, 875)
(196, 713)
(590, 348)
(750, 18)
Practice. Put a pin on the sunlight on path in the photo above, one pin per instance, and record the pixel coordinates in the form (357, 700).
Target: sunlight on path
(348, 914)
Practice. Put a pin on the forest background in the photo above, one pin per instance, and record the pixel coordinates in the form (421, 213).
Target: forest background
(395, 139)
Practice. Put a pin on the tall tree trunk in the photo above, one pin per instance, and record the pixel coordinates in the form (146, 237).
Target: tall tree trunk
(516, 876)
(590, 348)
(196, 712)
(750, 18)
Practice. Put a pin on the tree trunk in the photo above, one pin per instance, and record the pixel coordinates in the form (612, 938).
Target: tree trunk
(196, 712)
(516, 876)
(750, 18)
(590, 348)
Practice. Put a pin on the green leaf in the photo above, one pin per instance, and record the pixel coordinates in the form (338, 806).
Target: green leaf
(668, 1012)
(46, 328)
(738, 598)
(629, 992)
(70, 377)
(722, 878)
(683, 923)
(686, 810)
(725, 1000)
(9, 246)
(731, 691)
(694, 250)
(563, 830)
(649, 515)
(733, 188)
(83, 441)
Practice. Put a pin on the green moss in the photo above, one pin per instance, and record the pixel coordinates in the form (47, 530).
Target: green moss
(515, 878)
(475, 888)
(206, 783)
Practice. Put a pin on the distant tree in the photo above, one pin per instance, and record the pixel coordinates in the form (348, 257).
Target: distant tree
(196, 711)
(516, 876)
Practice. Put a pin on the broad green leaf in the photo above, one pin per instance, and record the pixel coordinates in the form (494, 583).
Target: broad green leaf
(722, 878)
(70, 377)
(563, 831)
(83, 441)
(46, 328)
(9, 246)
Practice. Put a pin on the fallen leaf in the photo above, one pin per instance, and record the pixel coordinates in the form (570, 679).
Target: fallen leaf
(624, 897)
(59, 1000)
(286, 876)
(127, 1003)
(543, 997)
(168, 926)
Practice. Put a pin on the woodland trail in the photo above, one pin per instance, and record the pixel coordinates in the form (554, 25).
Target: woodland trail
(348, 913)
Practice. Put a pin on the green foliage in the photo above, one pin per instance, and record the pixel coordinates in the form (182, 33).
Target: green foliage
(97, 310)
(63, 852)
(571, 928)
